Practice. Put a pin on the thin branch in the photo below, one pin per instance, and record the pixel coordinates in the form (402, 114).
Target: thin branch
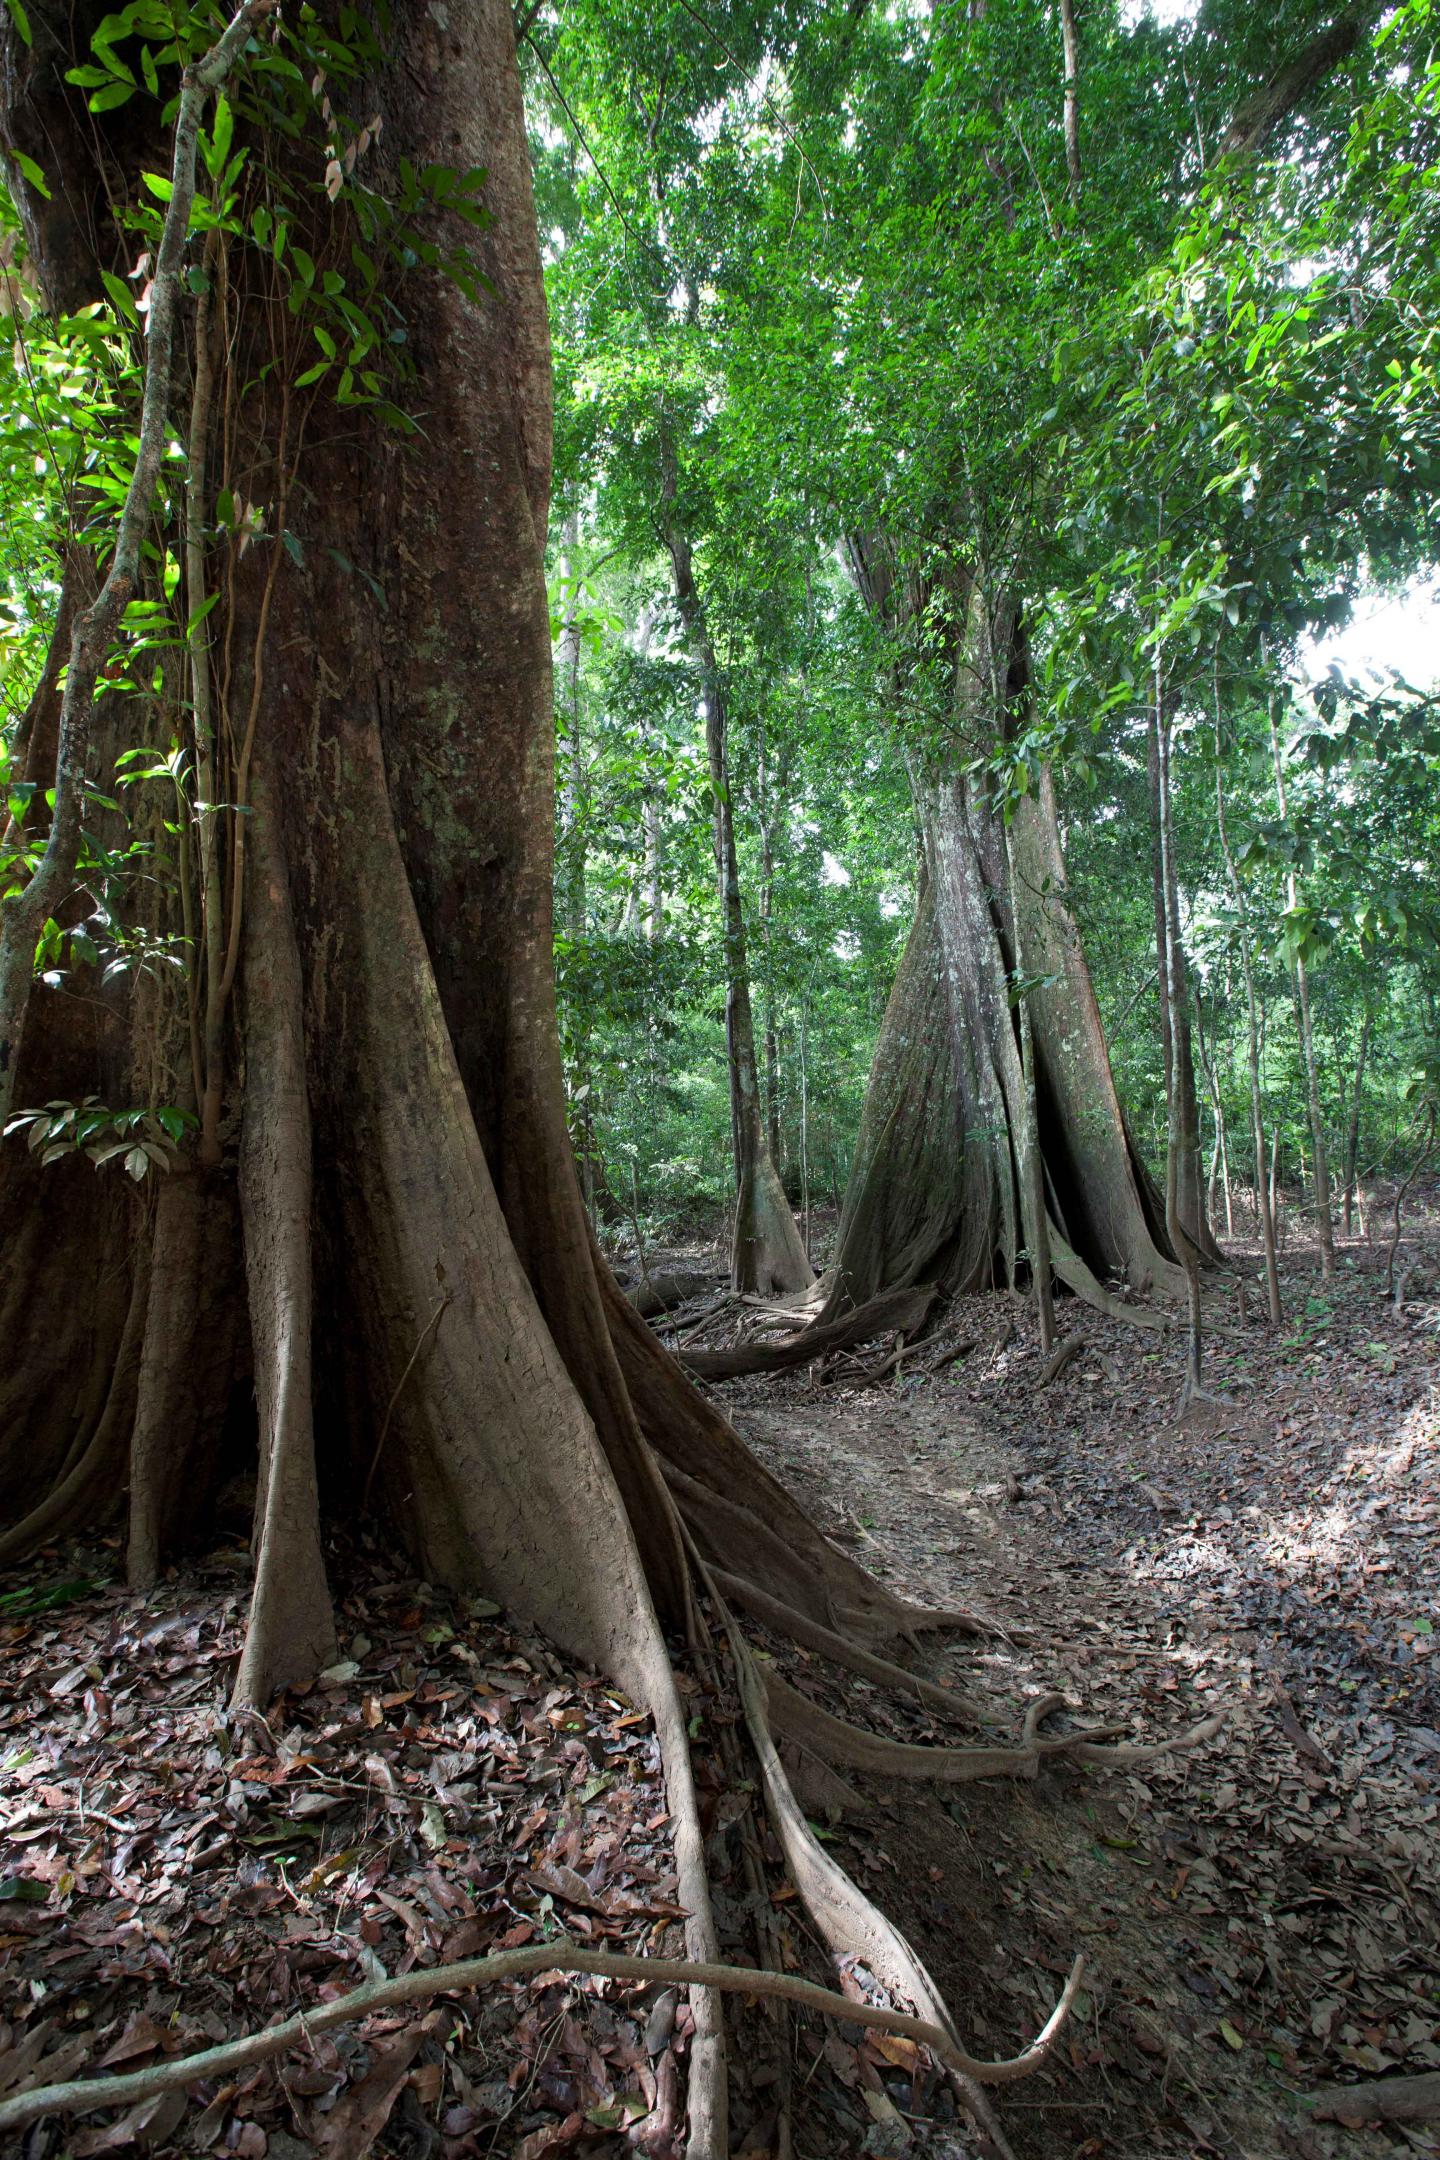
(580, 138)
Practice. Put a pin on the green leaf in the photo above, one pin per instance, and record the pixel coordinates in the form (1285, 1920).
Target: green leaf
(159, 184)
(222, 134)
(115, 93)
(121, 297)
(24, 1889)
(31, 170)
(21, 21)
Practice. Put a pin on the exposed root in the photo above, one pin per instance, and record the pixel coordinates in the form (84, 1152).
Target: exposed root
(292, 1626)
(850, 1923)
(1403, 2099)
(1076, 1276)
(898, 1311)
(840, 1651)
(82, 2095)
(836, 1741)
(1062, 1355)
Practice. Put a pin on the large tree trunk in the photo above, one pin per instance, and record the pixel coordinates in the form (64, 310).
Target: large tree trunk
(401, 1277)
(938, 1189)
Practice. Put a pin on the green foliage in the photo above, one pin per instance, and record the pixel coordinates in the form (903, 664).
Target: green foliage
(820, 274)
(145, 1139)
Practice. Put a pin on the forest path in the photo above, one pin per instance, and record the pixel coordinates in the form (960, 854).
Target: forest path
(1261, 1917)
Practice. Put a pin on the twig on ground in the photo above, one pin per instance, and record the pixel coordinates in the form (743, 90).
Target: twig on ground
(81, 2095)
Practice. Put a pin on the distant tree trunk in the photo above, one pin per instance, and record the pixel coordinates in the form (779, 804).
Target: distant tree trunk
(769, 795)
(939, 1190)
(1071, 54)
(1178, 1050)
(1182, 1160)
(766, 1253)
(1323, 1224)
(395, 1159)
(571, 881)
(1264, 1191)
(1352, 1134)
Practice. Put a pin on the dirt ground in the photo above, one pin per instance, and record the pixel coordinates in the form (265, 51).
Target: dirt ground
(1260, 1917)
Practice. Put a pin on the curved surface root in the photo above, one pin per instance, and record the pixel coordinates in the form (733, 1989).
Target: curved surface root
(81, 2095)
(837, 1742)
(798, 1627)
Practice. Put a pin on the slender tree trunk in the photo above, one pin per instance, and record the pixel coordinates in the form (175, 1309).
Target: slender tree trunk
(1276, 1212)
(805, 1229)
(1264, 1191)
(1219, 1176)
(1179, 1140)
(1323, 1225)
(1070, 46)
(767, 1253)
(1352, 1134)
(654, 870)
(1178, 1050)
(767, 804)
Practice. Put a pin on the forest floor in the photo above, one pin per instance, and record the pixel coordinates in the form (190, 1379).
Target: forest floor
(1259, 1918)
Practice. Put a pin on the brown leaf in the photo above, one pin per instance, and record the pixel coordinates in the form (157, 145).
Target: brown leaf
(141, 2037)
(358, 2117)
(148, 2123)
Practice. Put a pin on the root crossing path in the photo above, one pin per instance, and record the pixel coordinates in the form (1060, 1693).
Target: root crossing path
(1259, 1919)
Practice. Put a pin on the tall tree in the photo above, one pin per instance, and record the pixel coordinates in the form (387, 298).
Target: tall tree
(767, 1252)
(393, 1236)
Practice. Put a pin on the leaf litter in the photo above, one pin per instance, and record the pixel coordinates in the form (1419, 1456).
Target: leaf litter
(1262, 1918)
(172, 1875)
